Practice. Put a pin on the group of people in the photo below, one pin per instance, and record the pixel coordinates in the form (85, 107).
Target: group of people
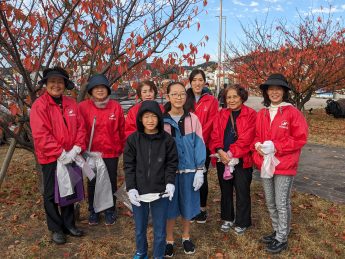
(166, 155)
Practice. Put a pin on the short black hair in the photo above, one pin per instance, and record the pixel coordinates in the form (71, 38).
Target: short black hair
(149, 83)
(243, 93)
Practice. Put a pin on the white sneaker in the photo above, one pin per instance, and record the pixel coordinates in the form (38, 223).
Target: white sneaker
(239, 230)
(227, 225)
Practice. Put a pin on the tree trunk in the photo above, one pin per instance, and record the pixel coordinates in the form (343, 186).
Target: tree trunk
(7, 160)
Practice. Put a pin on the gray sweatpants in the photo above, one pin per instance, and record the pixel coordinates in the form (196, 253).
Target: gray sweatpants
(278, 200)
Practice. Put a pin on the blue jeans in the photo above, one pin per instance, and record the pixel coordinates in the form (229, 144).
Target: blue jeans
(159, 211)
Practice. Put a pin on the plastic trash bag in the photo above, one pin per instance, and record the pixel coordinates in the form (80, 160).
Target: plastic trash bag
(122, 196)
(268, 166)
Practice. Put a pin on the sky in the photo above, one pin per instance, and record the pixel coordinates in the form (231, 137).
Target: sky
(245, 12)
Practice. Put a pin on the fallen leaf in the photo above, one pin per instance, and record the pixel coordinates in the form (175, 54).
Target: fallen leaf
(219, 255)
(322, 215)
(33, 216)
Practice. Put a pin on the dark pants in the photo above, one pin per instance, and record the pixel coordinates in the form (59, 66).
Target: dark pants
(55, 221)
(242, 178)
(111, 164)
(159, 212)
(204, 187)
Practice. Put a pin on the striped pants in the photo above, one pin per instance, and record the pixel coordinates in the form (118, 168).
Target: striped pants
(278, 200)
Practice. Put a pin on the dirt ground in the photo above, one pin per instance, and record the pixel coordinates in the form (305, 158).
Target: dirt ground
(318, 225)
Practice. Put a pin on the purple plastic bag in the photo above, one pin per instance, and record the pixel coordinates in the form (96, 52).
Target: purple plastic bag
(77, 181)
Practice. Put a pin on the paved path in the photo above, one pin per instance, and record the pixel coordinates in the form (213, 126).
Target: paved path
(321, 172)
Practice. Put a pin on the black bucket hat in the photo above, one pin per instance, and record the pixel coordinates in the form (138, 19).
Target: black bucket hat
(275, 79)
(56, 72)
(98, 79)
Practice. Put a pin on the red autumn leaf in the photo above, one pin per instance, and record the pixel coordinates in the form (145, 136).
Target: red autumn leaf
(140, 40)
(181, 46)
(115, 86)
(98, 16)
(198, 26)
(146, 73)
(14, 109)
(205, 2)
(103, 27)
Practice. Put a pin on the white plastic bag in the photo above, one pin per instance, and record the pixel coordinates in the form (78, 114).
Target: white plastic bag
(269, 166)
(64, 181)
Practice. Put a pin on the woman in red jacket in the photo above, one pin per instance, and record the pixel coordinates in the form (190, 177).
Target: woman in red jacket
(281, 132)
(205, 106)
(232, 135)
(147, 90)
(58, 133)
(108, 137)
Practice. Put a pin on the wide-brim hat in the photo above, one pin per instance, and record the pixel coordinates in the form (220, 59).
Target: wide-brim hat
(96, 80)
(51, 72)
(275, 79)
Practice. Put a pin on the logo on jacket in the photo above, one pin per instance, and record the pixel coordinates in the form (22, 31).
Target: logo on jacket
(284, 124)
(112, 117)
(70, 112)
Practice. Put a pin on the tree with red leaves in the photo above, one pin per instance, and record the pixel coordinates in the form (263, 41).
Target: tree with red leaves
(311, 55)
(111, 37)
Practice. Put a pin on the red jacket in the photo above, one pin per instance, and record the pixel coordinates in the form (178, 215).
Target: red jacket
(245, 124)
(288, 132)
(109, 135)
(131, 123)
(206, 109)
(53, 131)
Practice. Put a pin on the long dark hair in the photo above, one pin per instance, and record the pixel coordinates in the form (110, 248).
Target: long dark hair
(286, 97)
(189, 106)
(167, 106)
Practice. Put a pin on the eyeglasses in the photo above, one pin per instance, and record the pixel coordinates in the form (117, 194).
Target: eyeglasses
(176, 95)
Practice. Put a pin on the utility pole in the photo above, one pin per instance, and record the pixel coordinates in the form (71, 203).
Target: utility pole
(220, 46)
(225, 53)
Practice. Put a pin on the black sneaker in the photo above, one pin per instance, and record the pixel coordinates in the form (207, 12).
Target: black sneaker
(201, 217)
(268, 238)
(188, 247)
(169, 250)
(110, 218)
(276, 247)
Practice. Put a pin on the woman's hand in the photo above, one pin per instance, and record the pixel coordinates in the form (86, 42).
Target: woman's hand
(258, 148)
(224, 158)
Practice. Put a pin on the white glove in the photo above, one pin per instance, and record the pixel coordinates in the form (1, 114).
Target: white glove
(232, 163)
(74, 152)
(198, 179)
(268, 147)
(169, 191)
(134, 197)
(64, 158)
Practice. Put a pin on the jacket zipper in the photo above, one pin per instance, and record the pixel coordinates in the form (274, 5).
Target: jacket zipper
(149, 169)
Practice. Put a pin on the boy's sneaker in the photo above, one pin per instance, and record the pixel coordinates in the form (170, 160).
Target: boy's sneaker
(268, 238)
(169, 250)
(93, 218)
(140, 256)
(276, 246)
(239, 230)
(110, 218)
(227, 225)
(201, 217)
(188, 247)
